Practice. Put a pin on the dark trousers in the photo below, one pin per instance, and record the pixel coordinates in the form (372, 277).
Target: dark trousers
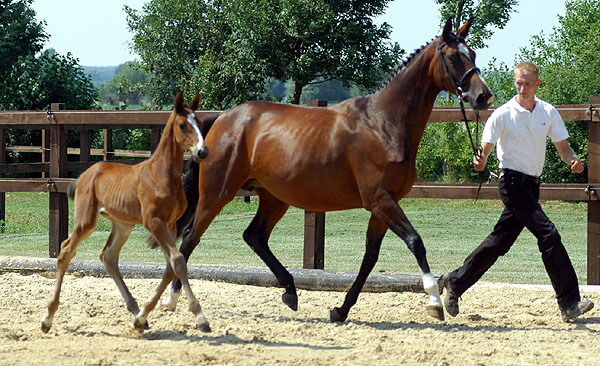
(520, 194)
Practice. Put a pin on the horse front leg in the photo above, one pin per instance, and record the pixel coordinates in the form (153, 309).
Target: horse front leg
(390, 212)
(270, 211)
(375, 233)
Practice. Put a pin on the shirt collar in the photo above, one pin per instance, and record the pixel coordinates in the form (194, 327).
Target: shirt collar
(520, 108)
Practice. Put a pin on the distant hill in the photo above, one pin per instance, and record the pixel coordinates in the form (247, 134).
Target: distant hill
(100, 74)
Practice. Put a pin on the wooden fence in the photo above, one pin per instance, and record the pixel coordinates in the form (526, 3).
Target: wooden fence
(53, 168)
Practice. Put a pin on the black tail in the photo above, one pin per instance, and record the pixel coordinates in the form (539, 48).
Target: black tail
(71, 189)
(190, 188)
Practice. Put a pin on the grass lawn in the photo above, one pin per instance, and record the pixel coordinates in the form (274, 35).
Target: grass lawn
(451, 229)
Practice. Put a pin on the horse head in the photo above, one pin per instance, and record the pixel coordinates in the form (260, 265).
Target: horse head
(187, 127)
(456, 70)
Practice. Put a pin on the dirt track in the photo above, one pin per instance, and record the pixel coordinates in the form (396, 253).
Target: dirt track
(498, 325)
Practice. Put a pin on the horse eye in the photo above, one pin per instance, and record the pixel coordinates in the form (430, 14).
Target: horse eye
(182, 125)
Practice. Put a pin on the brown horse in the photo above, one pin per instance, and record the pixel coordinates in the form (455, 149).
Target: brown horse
(359, 153)
(149, 193)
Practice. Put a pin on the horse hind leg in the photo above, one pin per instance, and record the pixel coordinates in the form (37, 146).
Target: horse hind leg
(391, 213)
(68, 247)
(375, 234)
(270, 211)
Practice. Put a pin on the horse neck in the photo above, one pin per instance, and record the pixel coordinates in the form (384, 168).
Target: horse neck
(169, 153)
(408, 99)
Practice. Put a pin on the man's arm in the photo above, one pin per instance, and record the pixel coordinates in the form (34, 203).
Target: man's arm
(568, 156)
(480, 161)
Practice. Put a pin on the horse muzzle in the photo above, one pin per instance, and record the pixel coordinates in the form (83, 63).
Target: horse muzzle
(481, 100)
(199, 154)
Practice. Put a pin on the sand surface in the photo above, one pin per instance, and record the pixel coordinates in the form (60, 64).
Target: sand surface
(498, 325)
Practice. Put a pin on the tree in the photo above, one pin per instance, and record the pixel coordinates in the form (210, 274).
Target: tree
(311, 42)
(35, 82)
(485, 14)
(127, 87)
(20, 33)
(229, 50)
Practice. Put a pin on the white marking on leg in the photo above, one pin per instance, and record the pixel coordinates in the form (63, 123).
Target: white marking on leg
(431, 288)
(170, 303)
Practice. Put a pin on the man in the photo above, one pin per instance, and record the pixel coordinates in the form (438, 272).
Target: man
(519, 129)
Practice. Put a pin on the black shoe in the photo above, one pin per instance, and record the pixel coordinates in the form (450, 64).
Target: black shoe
(451, 299)
(578, 308)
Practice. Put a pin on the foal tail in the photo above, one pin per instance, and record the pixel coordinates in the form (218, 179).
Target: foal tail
(71, 189)
(190, 188)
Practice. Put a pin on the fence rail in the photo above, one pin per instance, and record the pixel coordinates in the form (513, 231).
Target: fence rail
(54, 167)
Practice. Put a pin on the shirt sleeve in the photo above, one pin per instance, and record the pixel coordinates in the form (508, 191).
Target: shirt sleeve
(558, 130)
(491, 131)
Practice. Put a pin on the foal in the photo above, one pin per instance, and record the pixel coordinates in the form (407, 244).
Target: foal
(148, 193)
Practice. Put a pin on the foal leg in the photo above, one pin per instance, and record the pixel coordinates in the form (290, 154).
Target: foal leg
(390, 212)
(68, 247)
(270, 211)
(205, 214)
(110, 257)
(375, 234)
(176, 265)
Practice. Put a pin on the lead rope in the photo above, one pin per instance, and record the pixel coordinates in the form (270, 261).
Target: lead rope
(476, 151)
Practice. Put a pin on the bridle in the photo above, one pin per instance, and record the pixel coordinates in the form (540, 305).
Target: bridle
(458, 86)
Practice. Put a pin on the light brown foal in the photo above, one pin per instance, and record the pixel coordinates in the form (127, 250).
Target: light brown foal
(148, 193)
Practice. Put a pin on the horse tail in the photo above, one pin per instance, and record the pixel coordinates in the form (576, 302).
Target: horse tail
(71, 189)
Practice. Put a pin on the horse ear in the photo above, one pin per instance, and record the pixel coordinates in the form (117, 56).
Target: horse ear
(195, 102)
(179, 104)
(464, 30)
(447, 30)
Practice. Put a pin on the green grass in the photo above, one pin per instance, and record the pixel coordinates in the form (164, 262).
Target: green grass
(451, 229)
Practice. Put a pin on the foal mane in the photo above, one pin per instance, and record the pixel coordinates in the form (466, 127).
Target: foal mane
(403, 66)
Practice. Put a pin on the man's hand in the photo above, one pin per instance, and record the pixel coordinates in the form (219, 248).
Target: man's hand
(576, 166)
(479, 162)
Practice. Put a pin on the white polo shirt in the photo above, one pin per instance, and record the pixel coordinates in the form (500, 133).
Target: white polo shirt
(520, 135)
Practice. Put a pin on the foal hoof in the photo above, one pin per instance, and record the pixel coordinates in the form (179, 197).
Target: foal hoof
(205, 328)
(435, 311)
(335, 316)
(45, 327)
(290, 300)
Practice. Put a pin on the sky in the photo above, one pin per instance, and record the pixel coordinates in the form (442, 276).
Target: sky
(96, 33)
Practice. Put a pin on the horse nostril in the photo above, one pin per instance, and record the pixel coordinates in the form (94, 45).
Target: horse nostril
(485, 99)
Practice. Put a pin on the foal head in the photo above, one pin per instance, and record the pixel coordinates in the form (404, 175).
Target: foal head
(187, 128)
(456, 70)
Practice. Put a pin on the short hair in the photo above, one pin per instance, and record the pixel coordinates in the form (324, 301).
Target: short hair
(528, 68)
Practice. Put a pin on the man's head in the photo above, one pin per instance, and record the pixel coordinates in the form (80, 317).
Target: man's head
(527, 80)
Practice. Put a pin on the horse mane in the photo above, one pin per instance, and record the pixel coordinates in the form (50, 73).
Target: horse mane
(403, 66)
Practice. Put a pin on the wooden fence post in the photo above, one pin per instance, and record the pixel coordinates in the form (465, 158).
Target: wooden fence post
(314, 226)
(85, 145)
(154, 139)
(59, 205)
(109, 151)
(593, 243)
(45, 148)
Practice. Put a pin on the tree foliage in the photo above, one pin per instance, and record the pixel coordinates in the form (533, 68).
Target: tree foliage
(486, 14)
(229, 50)
(20, 33)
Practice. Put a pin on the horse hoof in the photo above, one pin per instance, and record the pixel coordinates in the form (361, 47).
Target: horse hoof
(205, 328)
(290, 300)
(335, 316)
(435, 311)
(45, 328)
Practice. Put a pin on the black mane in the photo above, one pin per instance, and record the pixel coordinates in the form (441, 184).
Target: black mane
(403, 66)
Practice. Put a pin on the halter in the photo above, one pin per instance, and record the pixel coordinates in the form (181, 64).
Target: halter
(459, 91)
(457, 85)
